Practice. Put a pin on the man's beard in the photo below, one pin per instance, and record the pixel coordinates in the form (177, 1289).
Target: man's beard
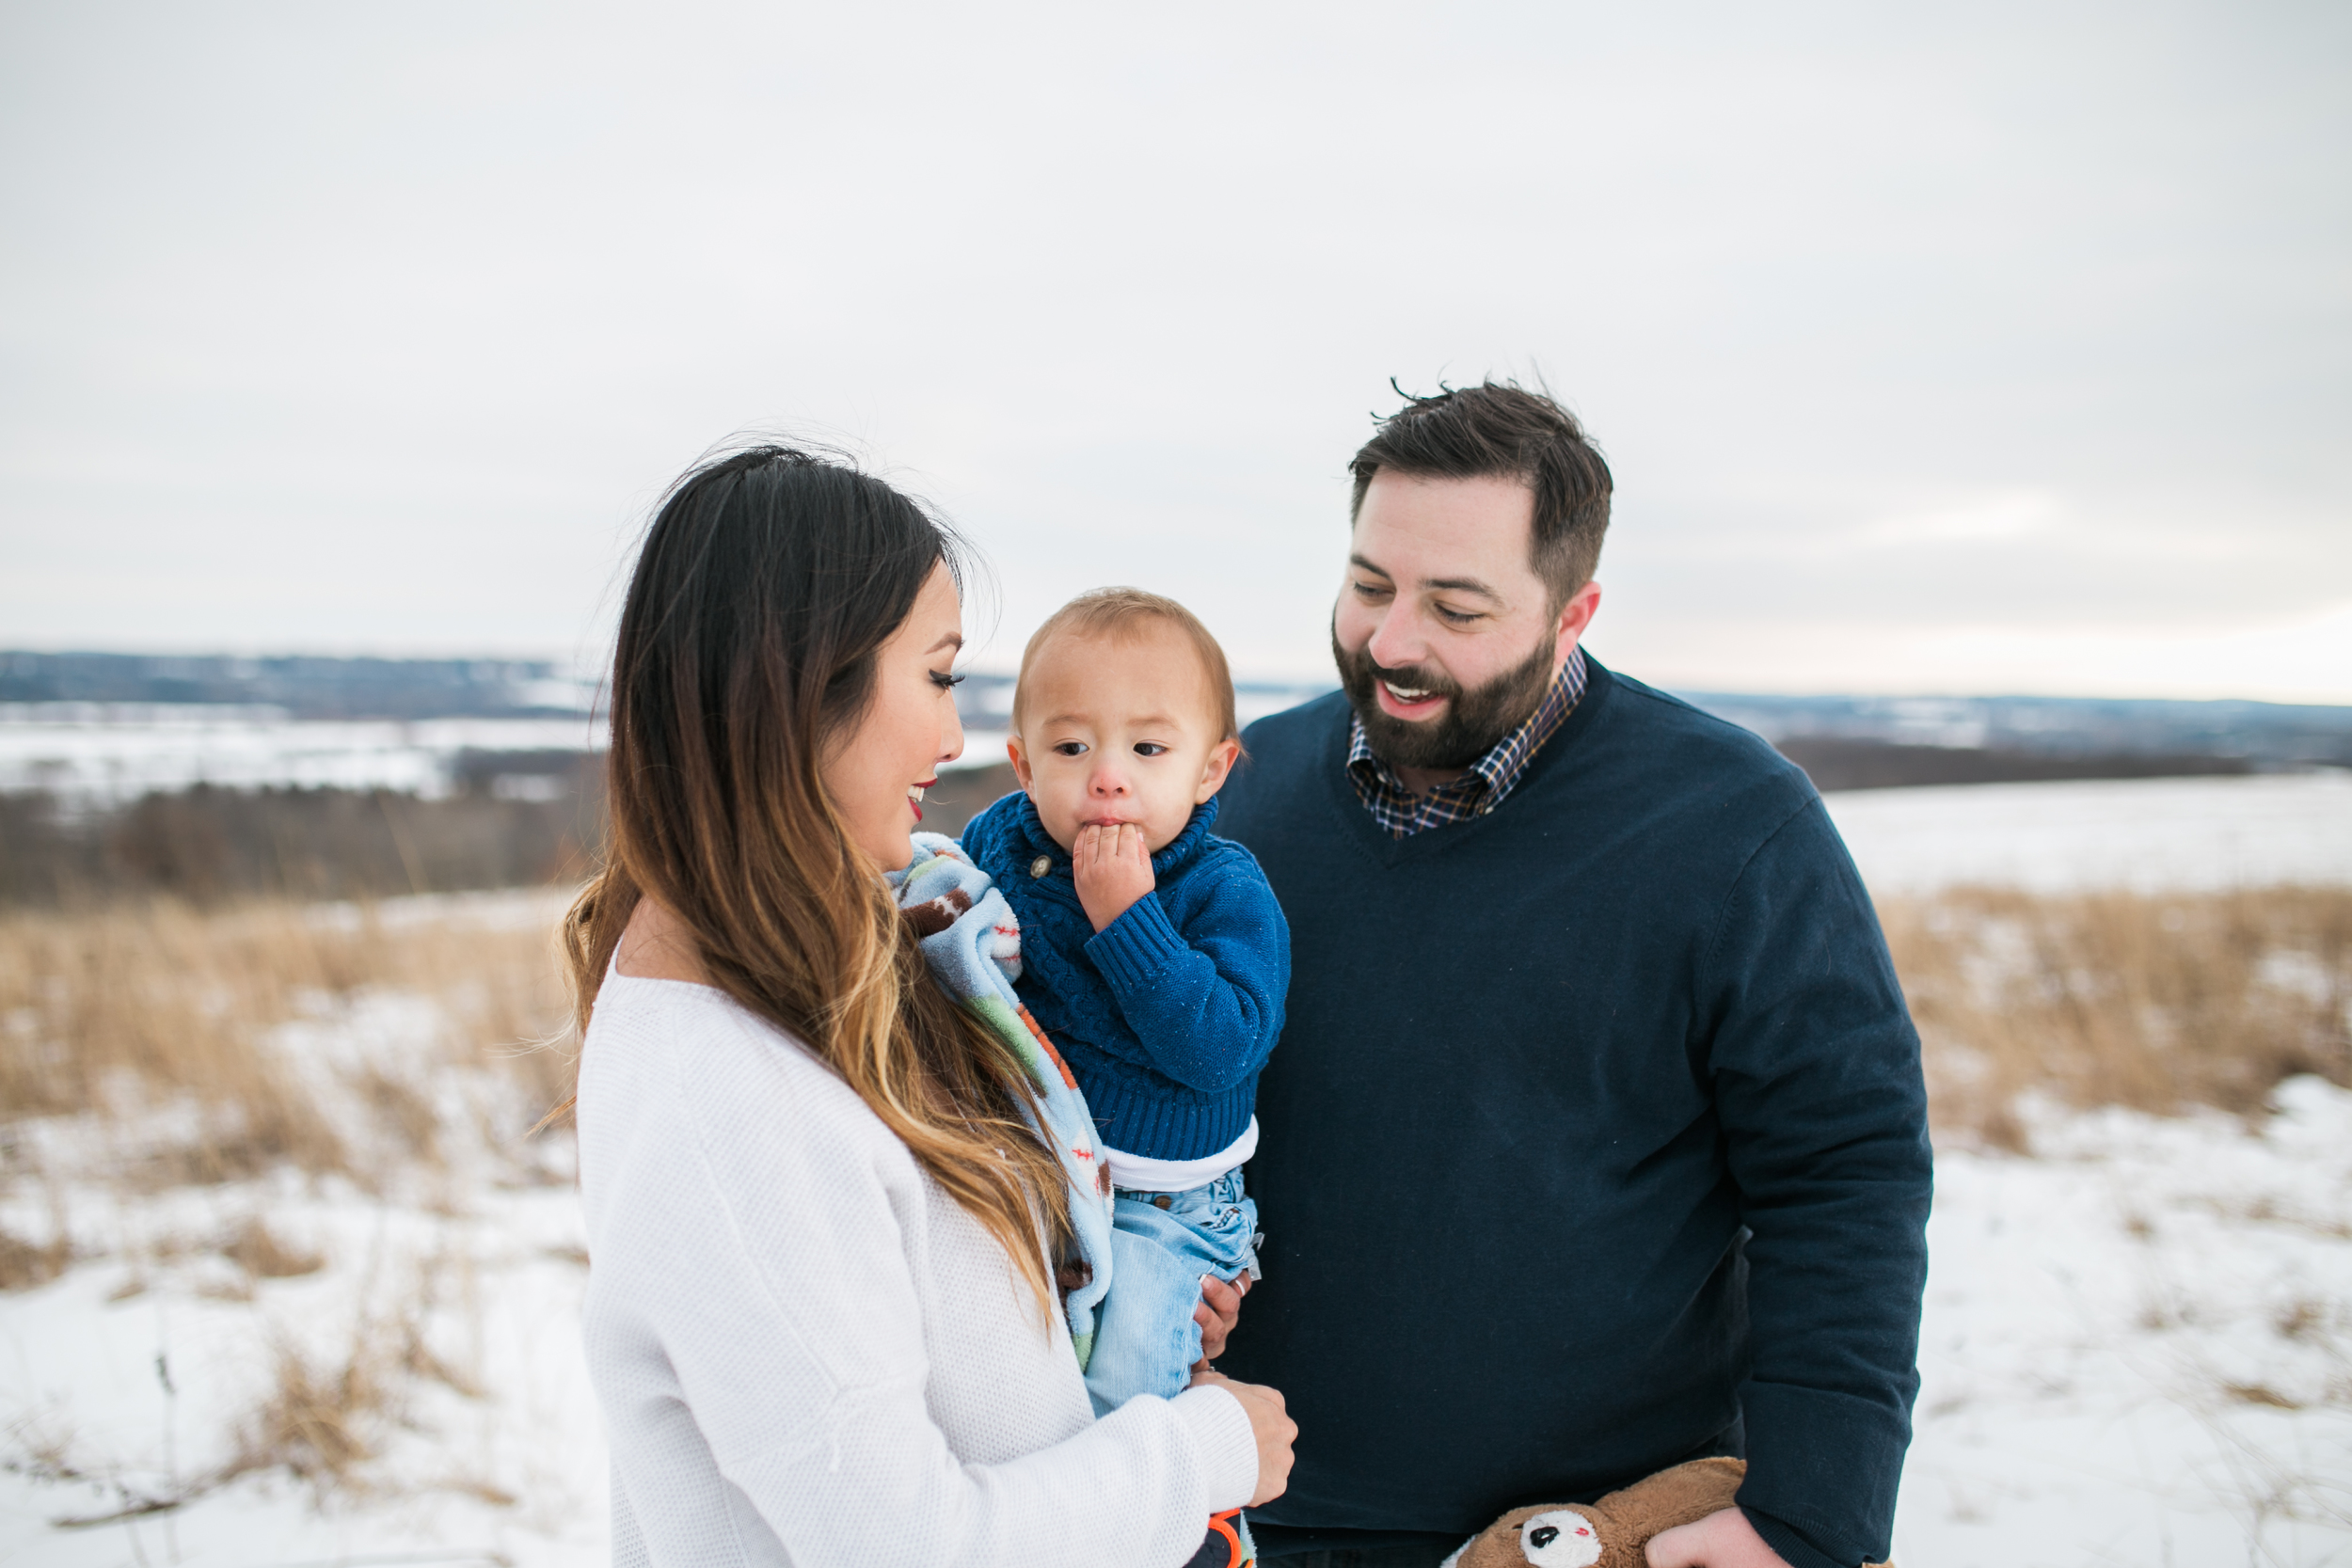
(1472, 722)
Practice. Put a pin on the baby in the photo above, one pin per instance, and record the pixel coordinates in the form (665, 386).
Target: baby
(1152, 953)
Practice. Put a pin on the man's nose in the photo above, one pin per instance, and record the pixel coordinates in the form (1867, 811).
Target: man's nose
(1396, 643)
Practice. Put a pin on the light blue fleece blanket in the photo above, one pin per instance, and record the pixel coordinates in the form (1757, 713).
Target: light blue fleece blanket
(973, 944)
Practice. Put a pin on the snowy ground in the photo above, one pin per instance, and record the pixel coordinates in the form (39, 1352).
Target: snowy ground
(431, 1303)
(2151, 834)
(142, 1385)
(106, 753)
(2137, 1348)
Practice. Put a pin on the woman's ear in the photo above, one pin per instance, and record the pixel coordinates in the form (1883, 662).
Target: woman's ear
(1222, 759)
(1020, 762)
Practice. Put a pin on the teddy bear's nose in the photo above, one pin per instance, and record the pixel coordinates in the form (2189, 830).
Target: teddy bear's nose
(1544, 1537)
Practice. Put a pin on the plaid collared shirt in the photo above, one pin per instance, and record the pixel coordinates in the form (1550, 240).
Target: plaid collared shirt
(1490, 779)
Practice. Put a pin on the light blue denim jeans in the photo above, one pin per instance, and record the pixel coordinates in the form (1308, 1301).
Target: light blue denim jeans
(1161, 1245)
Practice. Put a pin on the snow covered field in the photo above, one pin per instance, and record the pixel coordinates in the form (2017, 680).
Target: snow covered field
(2147, 834)
(106, 753)
(2137, 1346)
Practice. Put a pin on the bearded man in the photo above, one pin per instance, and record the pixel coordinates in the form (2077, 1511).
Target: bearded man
(1595, 1140)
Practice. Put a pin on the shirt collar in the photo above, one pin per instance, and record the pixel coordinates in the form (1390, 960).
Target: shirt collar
(1499, 770)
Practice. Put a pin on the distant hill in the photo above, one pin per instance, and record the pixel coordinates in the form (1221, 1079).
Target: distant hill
(1844, 742)
(1880, 743)
(303, 688)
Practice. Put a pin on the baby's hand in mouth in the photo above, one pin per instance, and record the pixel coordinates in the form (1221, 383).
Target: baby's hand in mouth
(1112, 866)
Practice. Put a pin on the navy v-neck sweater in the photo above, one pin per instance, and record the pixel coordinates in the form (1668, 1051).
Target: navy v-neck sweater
(1596, 1129)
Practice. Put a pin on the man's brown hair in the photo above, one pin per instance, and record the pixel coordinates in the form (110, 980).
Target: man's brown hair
(1121, 612)
(1498, 428)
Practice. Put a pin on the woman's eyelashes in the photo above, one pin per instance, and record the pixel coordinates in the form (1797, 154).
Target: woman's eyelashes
(946, 679)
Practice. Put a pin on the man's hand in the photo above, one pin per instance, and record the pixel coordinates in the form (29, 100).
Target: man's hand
(1723, 1539)
(1219, 1311)
(1112, 867)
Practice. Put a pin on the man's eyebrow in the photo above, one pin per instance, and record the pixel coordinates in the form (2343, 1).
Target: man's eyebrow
(1442, 585)
(953, 640)
(1461, 585)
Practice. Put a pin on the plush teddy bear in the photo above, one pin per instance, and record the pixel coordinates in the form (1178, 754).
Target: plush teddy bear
(1610, 1534)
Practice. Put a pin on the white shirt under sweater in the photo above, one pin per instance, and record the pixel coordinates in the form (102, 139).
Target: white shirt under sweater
(808, 1354)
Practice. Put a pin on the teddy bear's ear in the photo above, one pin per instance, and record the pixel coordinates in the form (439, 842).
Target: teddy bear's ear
(1681, 1495)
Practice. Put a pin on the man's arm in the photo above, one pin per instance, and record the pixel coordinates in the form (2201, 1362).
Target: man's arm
(1817, 1090)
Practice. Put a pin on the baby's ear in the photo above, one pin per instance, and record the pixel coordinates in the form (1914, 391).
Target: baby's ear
(1020, 756)
(1222, 759)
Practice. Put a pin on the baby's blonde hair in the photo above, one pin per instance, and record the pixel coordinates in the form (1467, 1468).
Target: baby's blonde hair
(1120, 613)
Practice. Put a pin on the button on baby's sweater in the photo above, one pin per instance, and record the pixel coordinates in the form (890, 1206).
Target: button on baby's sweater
(1040, 865)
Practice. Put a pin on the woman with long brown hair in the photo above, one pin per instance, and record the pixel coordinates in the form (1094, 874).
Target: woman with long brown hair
(821, 1316)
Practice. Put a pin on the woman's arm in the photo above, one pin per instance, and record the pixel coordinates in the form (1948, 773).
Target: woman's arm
(759, 1243)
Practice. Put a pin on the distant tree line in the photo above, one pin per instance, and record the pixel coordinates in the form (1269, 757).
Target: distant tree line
(515, 820)
(209, 845)
(1840, 762)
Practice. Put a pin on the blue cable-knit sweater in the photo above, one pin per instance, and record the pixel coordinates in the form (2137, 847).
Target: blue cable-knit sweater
(1166, 1016)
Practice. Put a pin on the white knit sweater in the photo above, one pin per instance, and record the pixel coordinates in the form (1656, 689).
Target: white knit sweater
(807, 1353)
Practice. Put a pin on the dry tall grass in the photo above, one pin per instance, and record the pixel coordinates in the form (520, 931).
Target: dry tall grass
(145, 1047)
(2150, 1002)
(141, 1008)
(2154, 1002)
(157, 1031)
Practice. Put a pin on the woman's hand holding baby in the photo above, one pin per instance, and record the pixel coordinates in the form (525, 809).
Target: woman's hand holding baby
(1112, 866)
(1270, 1423)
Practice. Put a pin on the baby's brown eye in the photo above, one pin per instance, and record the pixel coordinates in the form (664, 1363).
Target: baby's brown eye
(1148, 748)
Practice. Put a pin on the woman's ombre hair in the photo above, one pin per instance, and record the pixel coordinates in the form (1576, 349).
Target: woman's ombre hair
(768, 582)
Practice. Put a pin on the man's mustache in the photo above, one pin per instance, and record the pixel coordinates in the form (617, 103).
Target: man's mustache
(1412, 678)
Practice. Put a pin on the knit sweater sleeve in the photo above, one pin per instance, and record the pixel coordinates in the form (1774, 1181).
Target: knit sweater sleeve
(1205, 1000)
(1817, 1086)
(769, 1277)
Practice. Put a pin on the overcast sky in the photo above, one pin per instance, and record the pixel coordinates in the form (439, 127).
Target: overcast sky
(2005, 350)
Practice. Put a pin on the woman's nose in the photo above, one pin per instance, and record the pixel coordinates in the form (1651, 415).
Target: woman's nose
(951, 738)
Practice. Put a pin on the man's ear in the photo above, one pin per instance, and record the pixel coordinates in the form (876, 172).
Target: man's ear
(1020, 761)
(1575, 616)
(1222, 759)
